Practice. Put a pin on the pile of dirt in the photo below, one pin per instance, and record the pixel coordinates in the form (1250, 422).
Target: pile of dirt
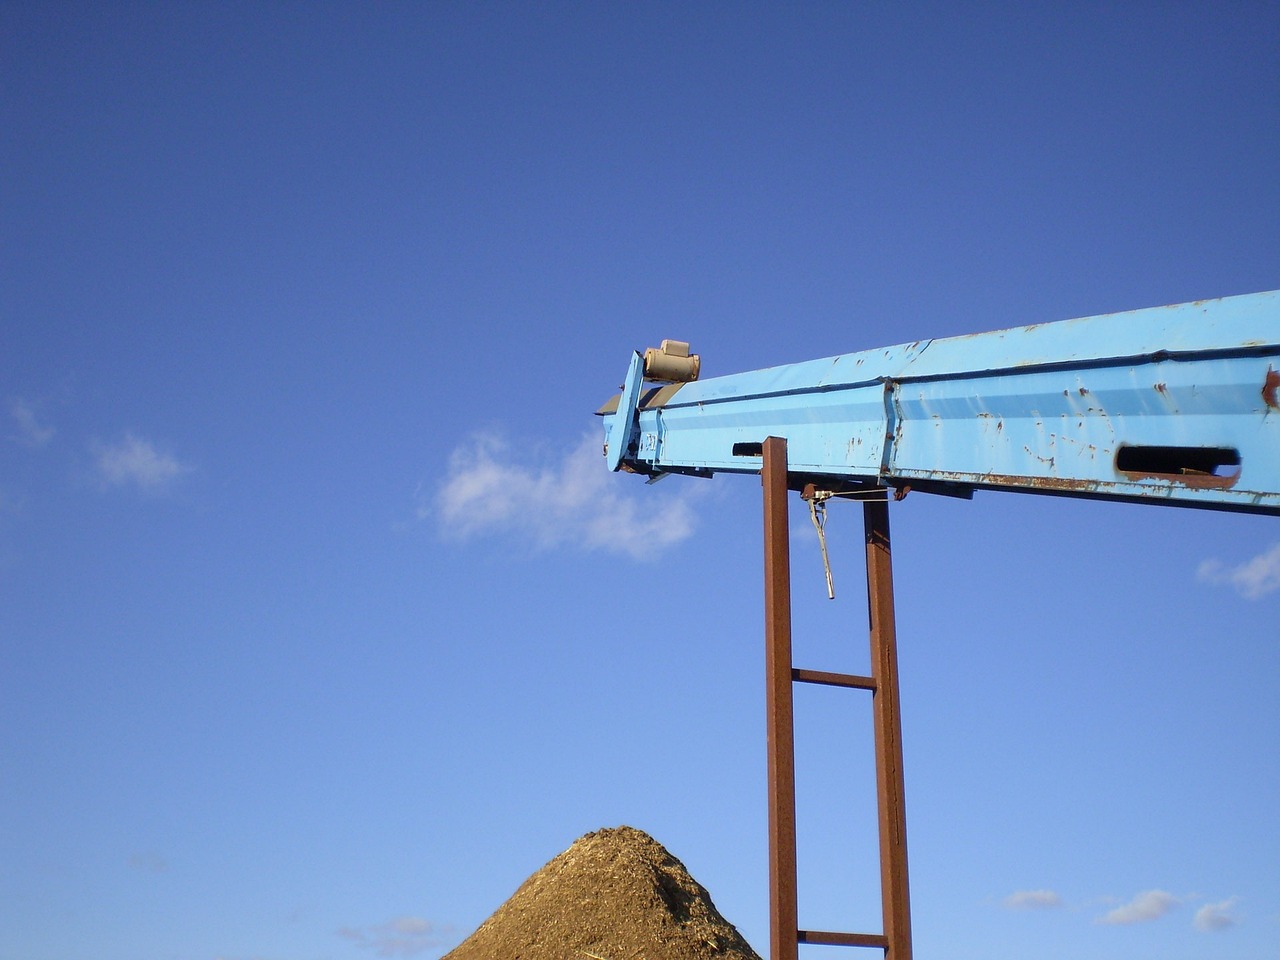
(616, 894)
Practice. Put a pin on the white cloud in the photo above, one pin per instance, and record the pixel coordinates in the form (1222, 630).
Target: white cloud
(31, 430)
(1033, 900)
(567, 500)
(1151, 905)
(1252, 579)
(137, 461)
(1213, 917)
(402, 937)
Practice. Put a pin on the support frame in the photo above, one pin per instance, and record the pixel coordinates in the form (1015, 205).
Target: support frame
(780, 673)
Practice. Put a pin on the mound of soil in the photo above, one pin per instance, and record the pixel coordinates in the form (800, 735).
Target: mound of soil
(616, 894)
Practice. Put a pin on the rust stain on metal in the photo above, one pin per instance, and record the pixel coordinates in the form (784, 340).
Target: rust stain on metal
(1194, 481)
(1271, 389)
(1162, 388)
(1084, 391)
(1048, 461)
(1015, 480)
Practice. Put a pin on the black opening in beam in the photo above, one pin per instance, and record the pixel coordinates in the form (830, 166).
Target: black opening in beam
(1179, 462)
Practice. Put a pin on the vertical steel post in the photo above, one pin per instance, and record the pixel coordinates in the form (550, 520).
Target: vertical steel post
(783, 912)
(894, 893)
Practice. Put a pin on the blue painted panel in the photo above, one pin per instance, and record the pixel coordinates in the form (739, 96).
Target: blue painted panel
(1032, 430)
(703, 436)
(1228, 324)
(622, 424)
(1171, 404)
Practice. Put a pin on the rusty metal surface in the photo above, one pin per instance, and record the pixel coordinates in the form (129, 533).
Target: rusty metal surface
(834, 679)
(784, 932)
(780, 729)
(830, 938)
(894, 886)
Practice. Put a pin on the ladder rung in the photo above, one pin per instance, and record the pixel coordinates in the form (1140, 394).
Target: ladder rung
(833, 679)
(844, 939)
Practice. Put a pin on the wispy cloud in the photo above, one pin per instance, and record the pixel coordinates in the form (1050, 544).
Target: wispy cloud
(32, 429)
(1151, 905)
(1214, 917)
(402, 937)
(138, 462)
(1033, 900)
(1252, 579)
(566, 500)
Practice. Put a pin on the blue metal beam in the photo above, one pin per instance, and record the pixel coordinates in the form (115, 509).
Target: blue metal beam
(1177, 405)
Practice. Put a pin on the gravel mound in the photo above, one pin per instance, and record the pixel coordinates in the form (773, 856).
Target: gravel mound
(615, 894)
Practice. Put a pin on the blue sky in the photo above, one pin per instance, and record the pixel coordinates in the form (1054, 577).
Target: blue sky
(321, 624)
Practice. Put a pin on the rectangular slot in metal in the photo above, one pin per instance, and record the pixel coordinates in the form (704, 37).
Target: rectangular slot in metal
(1193, 466)
(748, 449)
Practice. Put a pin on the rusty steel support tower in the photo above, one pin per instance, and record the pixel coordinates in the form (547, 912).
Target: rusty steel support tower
(780, 674)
